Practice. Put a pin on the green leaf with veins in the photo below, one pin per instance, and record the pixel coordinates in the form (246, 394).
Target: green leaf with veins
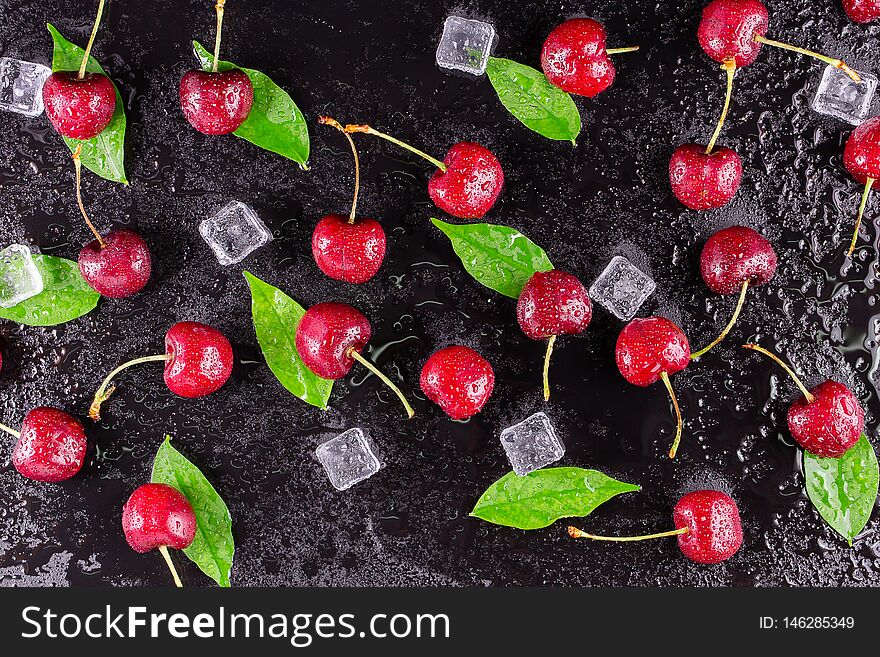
(65, 295)
(103, 154)
(501, 258)
(213, 548)
(275, 122)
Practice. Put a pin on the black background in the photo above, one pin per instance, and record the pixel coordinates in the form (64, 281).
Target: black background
(373, 61)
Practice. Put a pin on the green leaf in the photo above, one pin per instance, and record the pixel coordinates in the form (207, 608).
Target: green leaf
(213, 548)
(276, 317)
(275, 122)
(65, 295)
(544, 496)
(105, 153)
(501, 258)
(844, 489)
(539, 105)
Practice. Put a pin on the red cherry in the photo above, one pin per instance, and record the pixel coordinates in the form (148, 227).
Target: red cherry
(119, 268)
(728, 28)
(861, 157)
(574, 58)
(862, 11)
(216, 102)
(830, 424)
(200, 359)
(735, 255)
(458, 380)
(156, 516)
(471, 183)
(553, 303)
(327, 335)
(702, 181)
(350, 252)
(714, 531)
(79, 108)
(51, 446)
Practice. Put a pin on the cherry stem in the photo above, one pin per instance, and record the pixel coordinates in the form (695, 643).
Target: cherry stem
(327, 120)
(549, 353)
(163, 550)
(77, 165)
(104, 391)
(574, 532)
(370, 131)
(10, 430)
(807, 394)
(363, 361)
(723, 334)
(85, 59)
(619, 51)
(219, 7)
(837, 63)
(674, 449)
(865, 194)
(729, 67)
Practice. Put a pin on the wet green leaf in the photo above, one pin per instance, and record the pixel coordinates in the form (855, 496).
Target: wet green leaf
(539, 105)
(104, 154)
(275, 122)
(213, 548)
(65, 295)
(501, 258)
(844, 490)
(544, 496)
(276, 317)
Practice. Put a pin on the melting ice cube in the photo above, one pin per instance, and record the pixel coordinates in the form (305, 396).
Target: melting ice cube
(21, 86)
(465, 45)
(19, 277)
(348, 459)
(843, 98)
(622, 288)
(234, 232)
(531, 444)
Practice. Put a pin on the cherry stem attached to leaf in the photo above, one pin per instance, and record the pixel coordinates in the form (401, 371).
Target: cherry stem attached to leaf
(219, 7)
(77, 165)
(10, 430)
(865, 194)
(327, 120)
(353, 353)
(547, 356)
(163, 550)
(620, 51)
(412, 149)
(729, 66)
(674, 449)
(574, 532)
(85, 59)
(723, 334)
(837, 63)
(104, 391)
(807, 394)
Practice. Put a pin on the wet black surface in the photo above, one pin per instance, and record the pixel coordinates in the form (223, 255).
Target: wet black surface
(408, 525)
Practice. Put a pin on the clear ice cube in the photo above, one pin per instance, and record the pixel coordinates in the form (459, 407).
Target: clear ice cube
(21, 86)
(348, 459)
(19, 277)
(843, 98)
(531, 444)
(234, 232)
(622, 288)
(465, 45)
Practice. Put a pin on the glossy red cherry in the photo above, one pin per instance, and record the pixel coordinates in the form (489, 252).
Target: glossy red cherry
(350, 252)
(458, 380)
(120, 267)
(553, 303)
(728, 27)
(327, 335)
(862, 11)
(79, 108)
(158, 515)
(861, 157)
(471, 183)
(216, 102)
(830, 424)
(734, 256)
(51, 446)
(703, 181)
(574, 59)
(714, 530)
